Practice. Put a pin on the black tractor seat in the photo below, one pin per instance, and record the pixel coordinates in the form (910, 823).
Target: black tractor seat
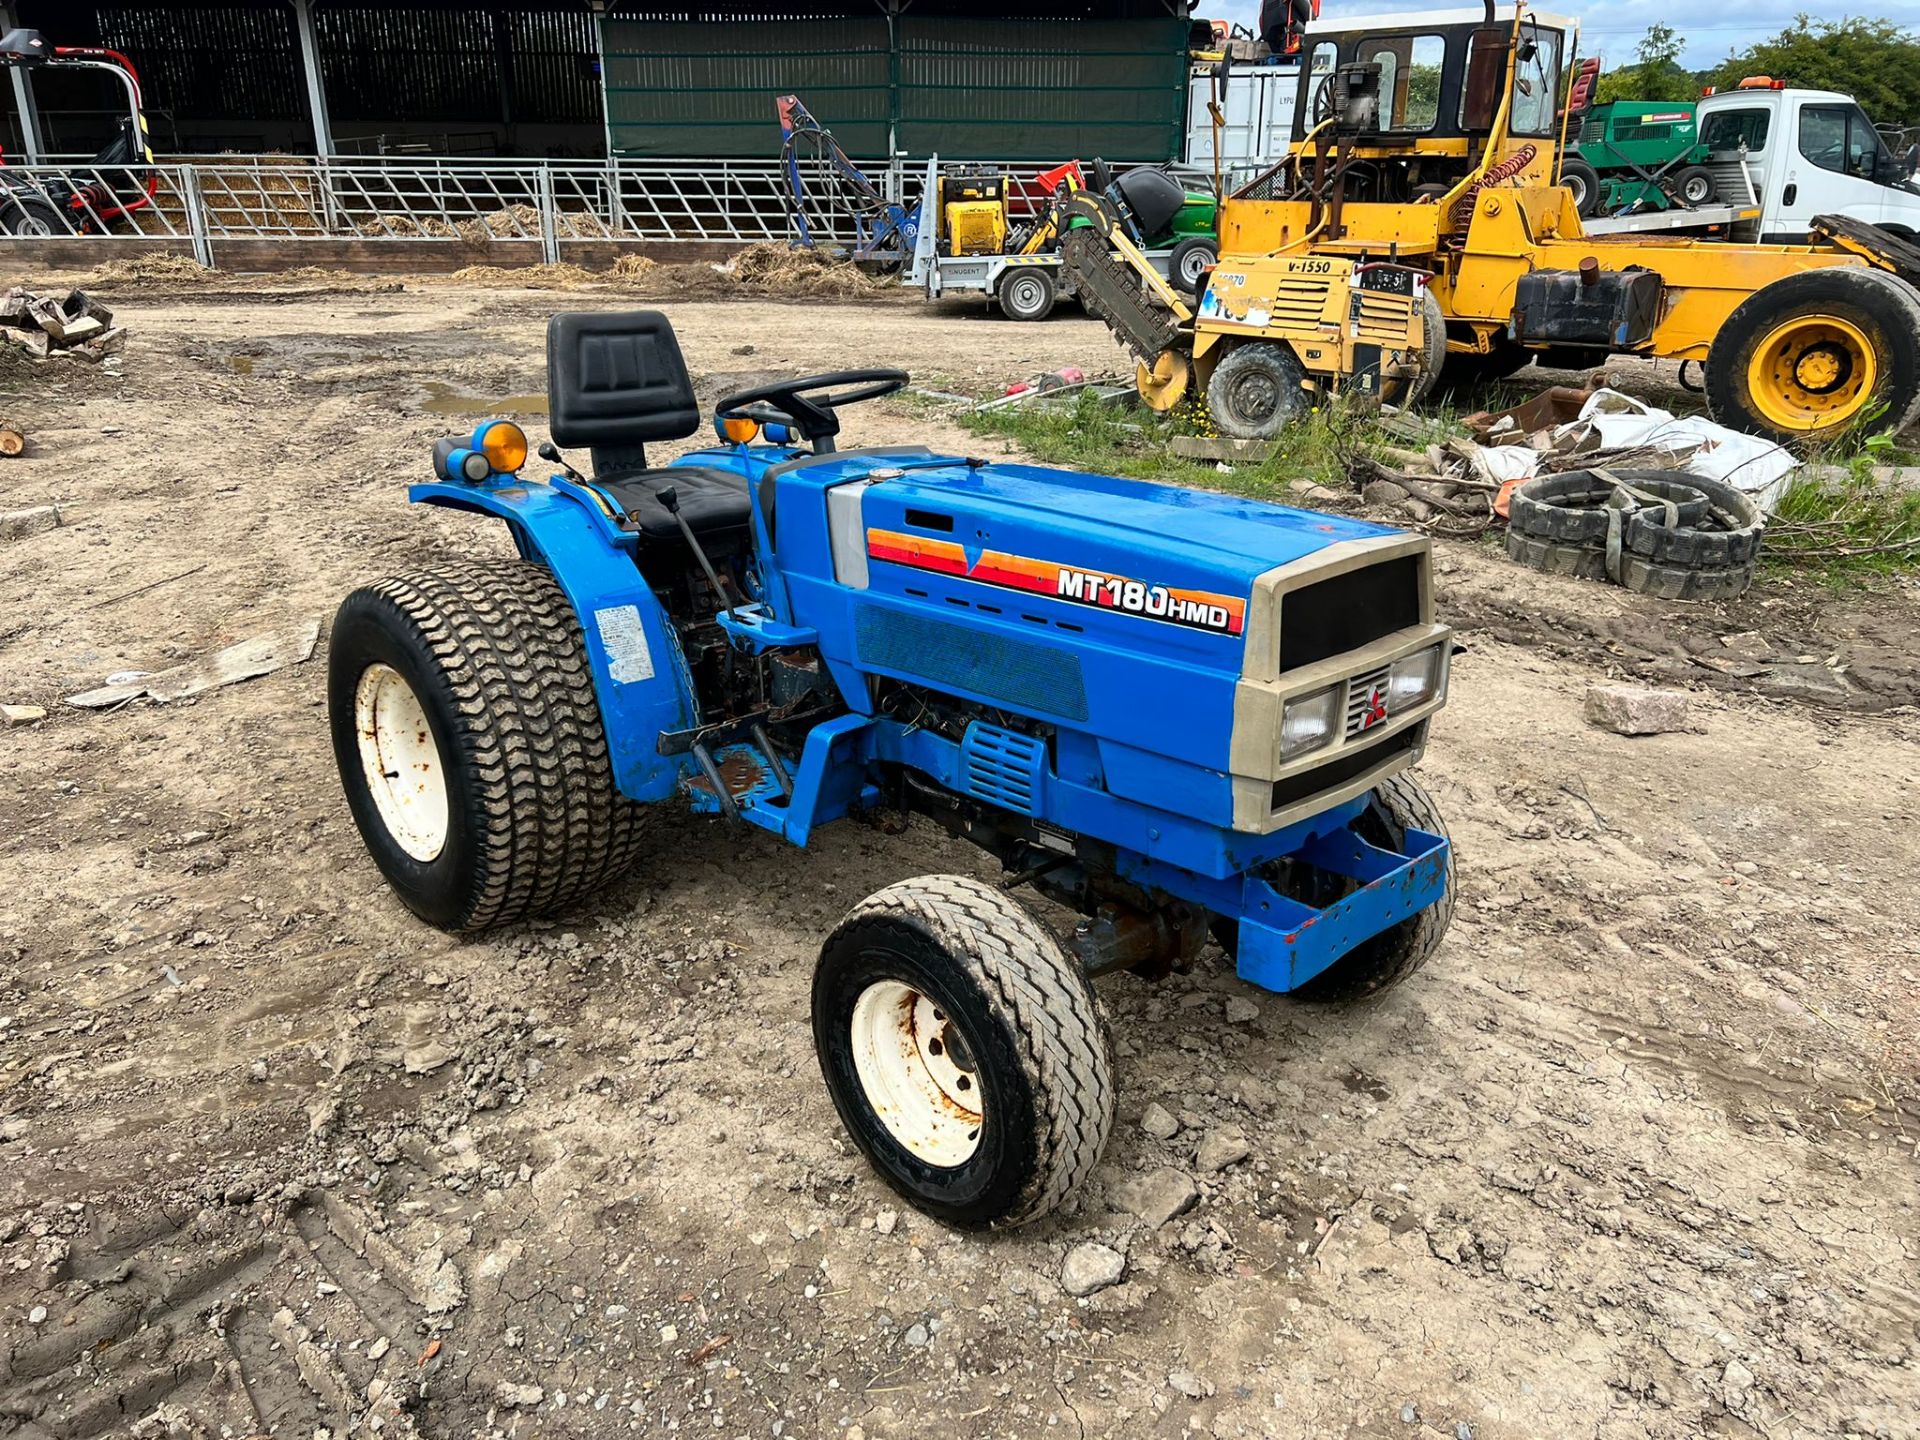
(616, 382)
(713, 502)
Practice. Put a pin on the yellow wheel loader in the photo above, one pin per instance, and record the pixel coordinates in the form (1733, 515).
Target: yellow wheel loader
(1433, 142)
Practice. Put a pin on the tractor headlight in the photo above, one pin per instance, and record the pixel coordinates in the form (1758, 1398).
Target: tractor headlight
(1309, 722)
(1415, 679)
(504, 444)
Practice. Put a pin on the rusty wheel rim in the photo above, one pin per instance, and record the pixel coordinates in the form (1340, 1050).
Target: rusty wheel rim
(917, 1070)
(401, 762)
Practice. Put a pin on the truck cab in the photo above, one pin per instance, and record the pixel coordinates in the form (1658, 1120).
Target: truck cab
(1801, 153)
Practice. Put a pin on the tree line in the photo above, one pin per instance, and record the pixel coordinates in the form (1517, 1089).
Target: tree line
(1875, 61)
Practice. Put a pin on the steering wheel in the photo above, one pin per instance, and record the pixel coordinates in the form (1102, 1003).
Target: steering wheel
(793, 402)
(1320, 108)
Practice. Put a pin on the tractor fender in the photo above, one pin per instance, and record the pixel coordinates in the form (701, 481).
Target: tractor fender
(639, 673)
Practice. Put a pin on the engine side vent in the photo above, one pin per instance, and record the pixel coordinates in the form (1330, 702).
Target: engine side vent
(972, 659)
(1002, 767)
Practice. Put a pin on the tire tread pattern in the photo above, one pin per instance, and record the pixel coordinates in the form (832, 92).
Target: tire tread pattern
(552, 825)
(1727, 537)
(1050, 1006)
(1570, 508)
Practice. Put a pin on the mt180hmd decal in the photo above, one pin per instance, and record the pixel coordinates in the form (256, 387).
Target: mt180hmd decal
(1197, 609)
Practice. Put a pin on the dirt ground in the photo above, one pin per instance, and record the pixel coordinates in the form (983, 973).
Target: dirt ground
(1634, 1156)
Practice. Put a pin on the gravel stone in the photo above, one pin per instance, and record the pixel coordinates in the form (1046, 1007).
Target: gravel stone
(1158, 1122)
(1632, 710)
(1159, 1195)
(1090, 1267)
(1223, 1147)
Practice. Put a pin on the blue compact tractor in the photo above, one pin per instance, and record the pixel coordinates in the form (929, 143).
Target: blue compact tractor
(1176, 714)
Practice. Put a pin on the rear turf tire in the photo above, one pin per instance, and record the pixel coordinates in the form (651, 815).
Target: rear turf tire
(964, 1051)
(469, 743)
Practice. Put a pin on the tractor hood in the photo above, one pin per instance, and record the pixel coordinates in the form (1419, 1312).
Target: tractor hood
(1166, 627)
(1032, 530)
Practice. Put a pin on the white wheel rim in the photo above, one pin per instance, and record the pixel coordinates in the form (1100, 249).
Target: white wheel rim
(1026, 295)
(904, 1055)
(1192, 265)
(401, 762)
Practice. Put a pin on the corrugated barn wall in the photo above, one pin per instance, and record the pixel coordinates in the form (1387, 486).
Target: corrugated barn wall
(1045, 80)
(1041, 81)
(215, 76)
(464, 77)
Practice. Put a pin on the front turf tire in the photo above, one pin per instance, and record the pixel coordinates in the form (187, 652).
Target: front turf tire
(936, 991)
(511, 764)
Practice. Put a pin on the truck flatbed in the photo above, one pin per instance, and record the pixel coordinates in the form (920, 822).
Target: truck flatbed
(1655, 221)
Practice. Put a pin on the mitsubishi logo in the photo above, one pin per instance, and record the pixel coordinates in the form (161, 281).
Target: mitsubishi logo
(1376, 709)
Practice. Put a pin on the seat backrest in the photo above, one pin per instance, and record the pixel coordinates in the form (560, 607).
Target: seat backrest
(124, 149)
(614, 382)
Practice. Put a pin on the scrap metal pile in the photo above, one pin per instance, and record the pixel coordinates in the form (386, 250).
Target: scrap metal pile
(1594, 484)
(48, 327)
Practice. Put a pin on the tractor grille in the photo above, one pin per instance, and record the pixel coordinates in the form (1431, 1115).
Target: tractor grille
(1360, 692)
(1346, 611)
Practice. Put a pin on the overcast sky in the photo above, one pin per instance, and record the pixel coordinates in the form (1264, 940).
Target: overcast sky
(1713, 28)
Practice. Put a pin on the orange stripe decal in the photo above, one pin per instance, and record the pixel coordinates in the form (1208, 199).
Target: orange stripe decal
(1197, 609)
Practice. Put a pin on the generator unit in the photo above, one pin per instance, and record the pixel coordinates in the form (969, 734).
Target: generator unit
(973, 211)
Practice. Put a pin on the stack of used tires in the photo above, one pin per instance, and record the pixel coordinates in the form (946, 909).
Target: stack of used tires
(1658, 532)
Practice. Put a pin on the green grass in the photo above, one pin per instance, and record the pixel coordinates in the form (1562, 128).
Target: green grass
(1111, 439)
(1850, 527)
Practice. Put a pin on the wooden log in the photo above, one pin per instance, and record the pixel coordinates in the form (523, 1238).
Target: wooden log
(12, 442)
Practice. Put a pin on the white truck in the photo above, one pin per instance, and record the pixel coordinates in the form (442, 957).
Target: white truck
(1779, 157)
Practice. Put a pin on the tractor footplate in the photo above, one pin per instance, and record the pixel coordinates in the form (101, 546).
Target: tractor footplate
(733, 776)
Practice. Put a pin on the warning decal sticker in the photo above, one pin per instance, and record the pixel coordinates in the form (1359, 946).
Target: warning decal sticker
(1197, 609)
